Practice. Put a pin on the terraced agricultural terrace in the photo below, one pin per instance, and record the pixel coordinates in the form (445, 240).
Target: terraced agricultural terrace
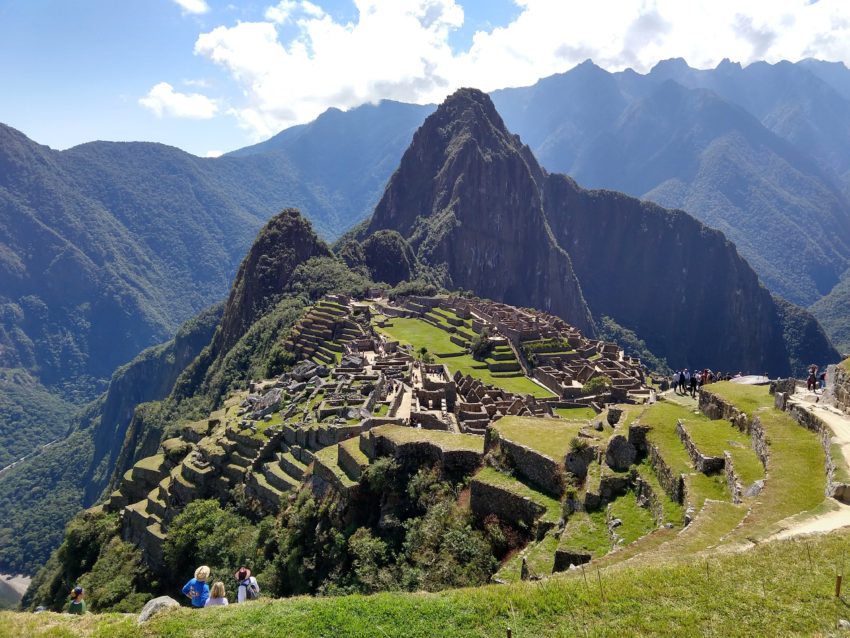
(615, 475)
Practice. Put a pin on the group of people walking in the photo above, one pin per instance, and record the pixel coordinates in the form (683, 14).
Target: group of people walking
(685, 381)
(201, 595)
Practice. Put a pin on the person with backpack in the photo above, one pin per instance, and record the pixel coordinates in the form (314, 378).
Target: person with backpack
(247, 588)
(197, 589)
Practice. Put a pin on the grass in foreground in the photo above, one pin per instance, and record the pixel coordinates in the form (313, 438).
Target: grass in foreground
(773, 590)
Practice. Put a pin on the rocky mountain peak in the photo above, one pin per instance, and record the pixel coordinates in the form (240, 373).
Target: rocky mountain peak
(286, 241)
(467, 197)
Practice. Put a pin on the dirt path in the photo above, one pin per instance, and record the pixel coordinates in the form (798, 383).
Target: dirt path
(819, 524)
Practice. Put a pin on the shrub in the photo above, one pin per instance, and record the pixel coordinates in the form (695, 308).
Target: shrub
(578, 444)
(481, 346)
(597, 385)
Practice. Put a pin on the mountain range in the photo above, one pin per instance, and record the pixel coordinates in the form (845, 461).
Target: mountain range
(106, 247)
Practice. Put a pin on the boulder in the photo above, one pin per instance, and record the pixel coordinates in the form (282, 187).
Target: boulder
(156, 605)
(620, 454)
(614, 415)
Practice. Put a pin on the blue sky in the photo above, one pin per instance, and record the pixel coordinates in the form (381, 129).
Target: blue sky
(210, 76)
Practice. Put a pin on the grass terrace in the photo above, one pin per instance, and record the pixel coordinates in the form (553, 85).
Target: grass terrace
(715, 437)
(400, 434)
(587, 531)
(547, 436)
(576, 414)
(491, 476)
(796, 478)
(747, 398)
(637, 521)
(662, 417)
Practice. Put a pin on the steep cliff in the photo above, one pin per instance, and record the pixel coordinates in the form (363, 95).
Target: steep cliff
(467, 197)
(679, 284)
(471, 198)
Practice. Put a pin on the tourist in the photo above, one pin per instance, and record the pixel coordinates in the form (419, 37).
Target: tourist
(812, 380)
(197, 589)
(77, 604)
(694, 382)
(248, 588)
(822, 380)
(217, 595)
(676, 382)
(685, 381)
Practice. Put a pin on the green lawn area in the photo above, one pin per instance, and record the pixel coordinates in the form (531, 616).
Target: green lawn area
(445, 440)
(747, 398)
(637, 521)
(587, 531)
(548, 436)
(715, 437)
(714, 521)
(796, 478)
(418, 333)
(576, 414)
(776, 589)
(795, 473)
(492, 476)
(541, 556)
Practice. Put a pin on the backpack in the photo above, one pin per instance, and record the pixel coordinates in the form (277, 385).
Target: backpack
(252, 592)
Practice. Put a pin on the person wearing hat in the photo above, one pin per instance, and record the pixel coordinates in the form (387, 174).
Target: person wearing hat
(248, 589)
(197, 589)
(77, 604)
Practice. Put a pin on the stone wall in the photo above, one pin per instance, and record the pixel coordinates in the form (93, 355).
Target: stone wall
(840, 386)
(673, 484)
(732, 481)
(545, 472)
(453, 463)
(703, 463)
(759, 440)
(486, 499)
(644, 491)
(715, 407)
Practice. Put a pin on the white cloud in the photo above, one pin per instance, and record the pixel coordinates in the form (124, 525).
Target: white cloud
(399, 49)
(214, 154)
(163, 100)
(193, 6)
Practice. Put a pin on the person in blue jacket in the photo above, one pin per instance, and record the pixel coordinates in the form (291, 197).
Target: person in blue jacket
(197, 589)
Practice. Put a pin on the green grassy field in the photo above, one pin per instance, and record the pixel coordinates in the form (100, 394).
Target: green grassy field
(777, 589)
(418, 334)
(577, 414)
